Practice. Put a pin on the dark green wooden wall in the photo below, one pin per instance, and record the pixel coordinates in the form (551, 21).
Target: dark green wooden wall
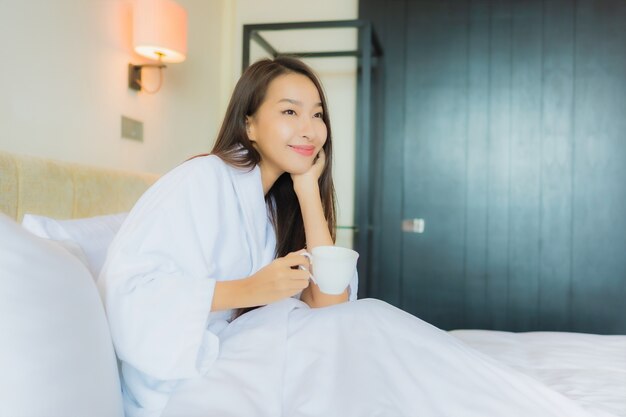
(503, 125)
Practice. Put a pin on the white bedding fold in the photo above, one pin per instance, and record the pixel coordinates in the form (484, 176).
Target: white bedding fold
(588, 368)
(364, 358)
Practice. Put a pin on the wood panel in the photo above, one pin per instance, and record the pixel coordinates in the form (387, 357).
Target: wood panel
(505, 131)
(599, 171)
(498, 162)
(389, 245)
(434, 159)
(525, 165)
(475, 278)
(555, 267)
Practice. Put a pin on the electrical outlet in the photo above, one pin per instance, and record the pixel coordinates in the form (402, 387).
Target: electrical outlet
(132, 129)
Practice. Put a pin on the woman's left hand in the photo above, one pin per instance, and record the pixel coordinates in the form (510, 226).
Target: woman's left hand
(309, 178)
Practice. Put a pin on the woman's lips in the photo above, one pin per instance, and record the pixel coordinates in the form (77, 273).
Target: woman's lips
(306, 150)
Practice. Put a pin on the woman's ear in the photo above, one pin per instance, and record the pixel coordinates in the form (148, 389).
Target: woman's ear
(250, 129)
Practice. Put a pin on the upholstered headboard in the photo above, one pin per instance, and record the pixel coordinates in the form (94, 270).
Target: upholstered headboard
(65, 190)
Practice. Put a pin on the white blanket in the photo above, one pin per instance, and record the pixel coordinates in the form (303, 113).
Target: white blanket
(364, 358)
(588, 368)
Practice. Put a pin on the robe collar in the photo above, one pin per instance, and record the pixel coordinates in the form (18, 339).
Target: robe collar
(248, 186)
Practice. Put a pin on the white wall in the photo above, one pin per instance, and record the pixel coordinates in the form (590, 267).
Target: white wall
(63, 82)
(338, 75)
(63, 85)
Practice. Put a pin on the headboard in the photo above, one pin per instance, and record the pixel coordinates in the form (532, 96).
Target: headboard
(64, 190)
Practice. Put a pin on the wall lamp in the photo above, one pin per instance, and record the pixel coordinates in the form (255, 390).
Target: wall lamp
(160, 34)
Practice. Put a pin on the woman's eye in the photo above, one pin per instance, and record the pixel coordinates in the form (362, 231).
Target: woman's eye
(319, 115)
(289, 112)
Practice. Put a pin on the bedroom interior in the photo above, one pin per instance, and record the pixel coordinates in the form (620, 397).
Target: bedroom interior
(537, 280)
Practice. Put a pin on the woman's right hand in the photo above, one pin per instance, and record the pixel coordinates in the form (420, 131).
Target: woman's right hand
(278, 280)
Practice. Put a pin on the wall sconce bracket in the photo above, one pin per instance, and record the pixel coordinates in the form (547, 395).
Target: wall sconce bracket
(134, 74)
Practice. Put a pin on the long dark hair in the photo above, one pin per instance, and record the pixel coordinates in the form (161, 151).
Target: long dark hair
(281, 200)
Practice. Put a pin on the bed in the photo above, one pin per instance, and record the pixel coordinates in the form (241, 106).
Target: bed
(588, 368)
(56, 355)
(68, 362)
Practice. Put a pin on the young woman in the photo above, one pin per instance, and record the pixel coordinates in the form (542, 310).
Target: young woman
(223, 234)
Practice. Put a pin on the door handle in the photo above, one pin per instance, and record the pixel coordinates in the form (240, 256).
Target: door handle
(413, 225)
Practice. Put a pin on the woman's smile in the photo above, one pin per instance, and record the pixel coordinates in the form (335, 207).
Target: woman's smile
(306, 150)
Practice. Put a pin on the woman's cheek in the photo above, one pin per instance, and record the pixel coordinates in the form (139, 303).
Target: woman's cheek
(323, 135)
(285, 131)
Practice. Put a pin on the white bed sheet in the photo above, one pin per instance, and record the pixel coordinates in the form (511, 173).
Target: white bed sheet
(590, 369)
(361, 359)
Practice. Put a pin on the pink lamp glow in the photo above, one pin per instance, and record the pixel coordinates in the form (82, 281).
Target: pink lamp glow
(159, 33)
(160, 30)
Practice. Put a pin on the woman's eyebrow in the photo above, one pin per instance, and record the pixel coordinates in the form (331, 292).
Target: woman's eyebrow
(297, 103)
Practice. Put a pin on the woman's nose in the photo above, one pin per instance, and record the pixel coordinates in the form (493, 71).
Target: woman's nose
(306, 128)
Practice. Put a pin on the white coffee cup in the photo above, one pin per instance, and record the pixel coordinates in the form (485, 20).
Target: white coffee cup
(332, 267)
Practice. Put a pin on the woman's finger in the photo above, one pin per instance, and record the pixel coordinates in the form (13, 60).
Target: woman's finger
(301, 274)
(297, 258)
(306, 270)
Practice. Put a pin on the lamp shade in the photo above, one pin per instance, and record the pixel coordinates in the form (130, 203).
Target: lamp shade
(160, 30)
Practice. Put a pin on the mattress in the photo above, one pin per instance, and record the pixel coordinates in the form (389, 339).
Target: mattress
(590, 369)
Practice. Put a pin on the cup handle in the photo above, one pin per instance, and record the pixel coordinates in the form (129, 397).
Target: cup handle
(310, 258)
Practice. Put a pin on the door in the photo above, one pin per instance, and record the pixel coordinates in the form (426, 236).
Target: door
(512, 149)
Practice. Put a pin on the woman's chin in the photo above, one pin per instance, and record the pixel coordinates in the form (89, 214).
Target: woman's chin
(298, 169)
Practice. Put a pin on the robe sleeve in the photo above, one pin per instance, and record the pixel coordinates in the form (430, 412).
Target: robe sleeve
(353, 288)
(157, 284)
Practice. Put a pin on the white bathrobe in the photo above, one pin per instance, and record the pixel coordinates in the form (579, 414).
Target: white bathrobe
(206, 221)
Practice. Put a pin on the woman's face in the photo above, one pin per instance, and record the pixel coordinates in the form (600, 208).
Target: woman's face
(287, 129)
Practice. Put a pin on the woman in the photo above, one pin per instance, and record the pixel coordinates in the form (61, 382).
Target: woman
(222, 234)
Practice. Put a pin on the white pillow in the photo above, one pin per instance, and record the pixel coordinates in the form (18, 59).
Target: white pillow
(56, 354)
(93, 235)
